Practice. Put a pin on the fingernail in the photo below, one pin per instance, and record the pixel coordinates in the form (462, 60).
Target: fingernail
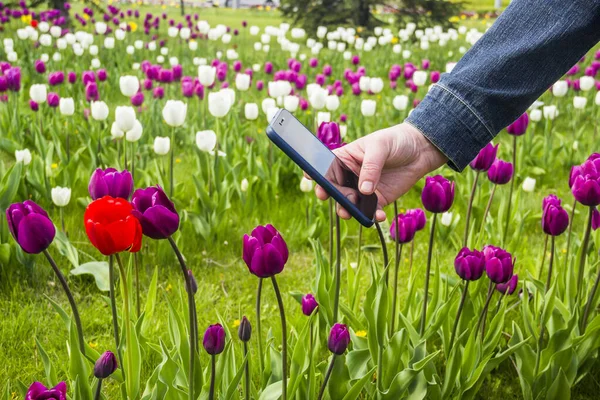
(366, 187)
(352, 198)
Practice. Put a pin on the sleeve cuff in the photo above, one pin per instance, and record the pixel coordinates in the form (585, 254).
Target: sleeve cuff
(451, 125)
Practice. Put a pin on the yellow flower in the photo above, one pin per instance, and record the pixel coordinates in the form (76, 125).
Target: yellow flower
(54, 165)
(454, 19)
(268, 8)
(168, 288)
(394, 40)
(86, 17)
(361, 333)
(359, 29)
(564, 251)
(133, 26)
(178, 160)
(93, 345)
(110, 2)
(236, 323)
(308, 112)
(164, 7)
(463, 16)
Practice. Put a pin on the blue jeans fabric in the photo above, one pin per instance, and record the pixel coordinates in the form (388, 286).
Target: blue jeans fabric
(531, 45)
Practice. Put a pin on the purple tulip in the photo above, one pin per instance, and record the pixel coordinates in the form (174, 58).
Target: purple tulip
(329, 134)
(165, 76)
(519, 127)
(3, 84)
(268, 67)
(327, 70)
(418, 215)
(177, 72)
(260, 85)
(40, 66)
(469, 264)
(187, 88)
(105, 365)
(485, 158)
(110, 182)
(102, 75)
(406, 226)
(72, 77)
(313, 62)
(56, 78)
(309, 304)
(53, 99)
(264, 251)
(425, 64)
(585, 182)
(30, 225)
(88, 77)
(237, 65)
(339, 339)
(500, 172)
(438, 194)
(499, 264)
(38, 391)
(595, 219)
(435, 76)
(34, 106)
(156, 212)
(147, 84)
(158, 92)
(13, 77)
(214, 339)
(245, 330)
(355, 60)
(551, 199)
(509, 287)
(137, 99)
(91, 92)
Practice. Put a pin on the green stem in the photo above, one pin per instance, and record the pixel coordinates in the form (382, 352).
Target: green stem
(137, 283)
(360, 233)
(172, 163)
(127, 321)
(260, 345)
(395, 294)
(427, 273)
(487, 211)
(588, 306)
(569, 234)
(213, 372)
(512, 188)
(327, 376)
(541, 270)
(584, 247)
(65, 286)
(98, 394)
(330, 233)
(191, 315)
(115, 316)
(483, 316)
(469, 208)
(338, 270)
(458, 314)
(550, 264)
(283, 339)
(246, 373)
(386, 259)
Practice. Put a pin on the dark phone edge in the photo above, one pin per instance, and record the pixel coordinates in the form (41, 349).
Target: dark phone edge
(324, 183)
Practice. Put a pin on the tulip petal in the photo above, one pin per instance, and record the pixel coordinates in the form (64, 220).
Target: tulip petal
(35, 233)
(281, 247)
(273, 260)
(158, 222)
(35, 390)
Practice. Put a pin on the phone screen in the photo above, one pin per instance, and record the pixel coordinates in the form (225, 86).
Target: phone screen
(310, 148)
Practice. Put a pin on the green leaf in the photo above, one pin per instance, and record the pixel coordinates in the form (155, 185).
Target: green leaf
(78, 370)
(99, 270)
(50, 372)
(10, 184)
(66, 249)
(337, 386)
(358, 386)
(233, 385)
(560, 389)
(150, 300)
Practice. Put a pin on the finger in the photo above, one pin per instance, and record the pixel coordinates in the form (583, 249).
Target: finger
(380, 215)
(321, 193)
(370, 171)
(342, 212)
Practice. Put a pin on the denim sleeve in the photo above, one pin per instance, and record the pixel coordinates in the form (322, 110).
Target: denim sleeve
(531, 45)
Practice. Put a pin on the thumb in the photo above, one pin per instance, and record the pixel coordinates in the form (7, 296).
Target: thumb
(370, 171)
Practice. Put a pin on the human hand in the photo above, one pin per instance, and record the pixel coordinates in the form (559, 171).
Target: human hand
(388, 162)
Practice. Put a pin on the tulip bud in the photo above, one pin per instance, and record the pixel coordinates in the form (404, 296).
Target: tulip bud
(162, 145)
(529, 184)
(579, 102)
(53, 100)
(519, 127)
(367, 107)
(30, 226)
(206, 75)
(438, 194)
(219, 103)
(61, 196)
(193, 282)
(66, 106)
(560, 88)
(125, 118)
(206, 140)
(242, 82)
(135, 133)
(129, 85)
(400, 102)
(446, 219)
(405, 228)
(509, 287)
(214, 339)
(244, 185)
(156, 212)
(174, 112)
(485, 158)
(264, 251)
(23, 156)
(105, 366)
(339, 338)
(499, 264)
(251, 111)
(99, 110)
(306, 185)
(555, 219)
(309, 304)
(245, 330)
(469, 264)
(291, 103)
(329, 134)
(38, 93)
(418, 216)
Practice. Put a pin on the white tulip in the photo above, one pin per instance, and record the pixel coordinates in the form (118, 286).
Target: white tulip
(45, 57)
(400, 102)
(185, 33)
(251, 111)
(162, 145)
(129, 85)
(268, 103)
(99, 110)
(254, 30)
(9, 43)
(206, 140)
(174, 112)
(343, 131)
(203, 27)
(229, 92)
(271, 113)
(61, 196)
(318, 98)
(306, 185)
(375, 85)
(130, 49)
(46, 40)
(332, 102)
(61, 44)
(152, 46)
(66, 105)
(550, 112)
(116, 132)
(160, 59)
(135, 133)
(529, 184)
(535, 115)
(22, 34)
(419, 78)
(12, 56)
(206, 75)
(23, 156)
(323, 117)
(139, 44)
(120, 34)
(367, 107)
(101, 27)
(172, 31)
(290, 103)
(56, 57)
(242, 82)
(109, 43)
(364, 83)
(173, 61)
(193, 45)
(597, 99)
(219, 103)
(244, 185)
(38, 93)
(446, 219)
(226, 38)
(579, 102)
(560, 88)
(586, 83)
(279, 88)
(576, 145)
(125, 118)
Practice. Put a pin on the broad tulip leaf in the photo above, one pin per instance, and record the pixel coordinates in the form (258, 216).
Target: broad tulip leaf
(358, 386)
(99, 270)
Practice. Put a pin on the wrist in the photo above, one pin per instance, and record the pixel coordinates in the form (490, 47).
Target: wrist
(430, 157)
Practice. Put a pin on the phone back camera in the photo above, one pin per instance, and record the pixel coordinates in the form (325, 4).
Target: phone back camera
(281, 121)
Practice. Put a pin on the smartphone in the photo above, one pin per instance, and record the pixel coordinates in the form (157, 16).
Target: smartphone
(307, 151)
